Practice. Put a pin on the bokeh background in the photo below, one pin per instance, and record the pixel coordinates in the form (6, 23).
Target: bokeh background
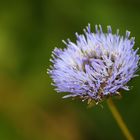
(30, 109)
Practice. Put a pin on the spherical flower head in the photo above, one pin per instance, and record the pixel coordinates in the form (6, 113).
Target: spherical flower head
(97, 66)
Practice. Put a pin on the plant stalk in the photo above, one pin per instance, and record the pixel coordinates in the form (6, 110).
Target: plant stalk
(119, 120)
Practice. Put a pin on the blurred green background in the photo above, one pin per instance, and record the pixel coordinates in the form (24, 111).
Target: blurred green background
(29, 107)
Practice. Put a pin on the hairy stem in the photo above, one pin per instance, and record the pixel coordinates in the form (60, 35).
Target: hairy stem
(119, 120)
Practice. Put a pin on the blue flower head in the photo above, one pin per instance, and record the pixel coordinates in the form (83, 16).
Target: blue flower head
(97, 66)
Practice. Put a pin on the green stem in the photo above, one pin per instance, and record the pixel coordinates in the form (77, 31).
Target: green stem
(119, 120)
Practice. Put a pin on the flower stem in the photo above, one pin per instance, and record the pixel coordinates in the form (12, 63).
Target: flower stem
(119, 120)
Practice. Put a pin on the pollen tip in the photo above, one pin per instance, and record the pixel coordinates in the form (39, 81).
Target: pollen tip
(127, 34)
(96, 28)
(101, 31)
(109, 29)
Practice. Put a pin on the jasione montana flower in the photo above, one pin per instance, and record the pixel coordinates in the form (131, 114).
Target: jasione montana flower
(98, 65)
